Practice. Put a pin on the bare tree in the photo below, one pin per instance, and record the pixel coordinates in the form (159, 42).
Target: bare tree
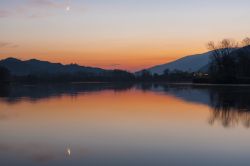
(222, 65)
(223, 48)
(246, 42)
(229, 62)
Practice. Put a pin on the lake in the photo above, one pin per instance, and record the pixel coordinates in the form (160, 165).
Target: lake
(124, 125)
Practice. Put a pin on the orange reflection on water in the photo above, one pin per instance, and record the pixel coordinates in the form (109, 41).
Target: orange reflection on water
(97, 122)
(108, 124)
(106, 106)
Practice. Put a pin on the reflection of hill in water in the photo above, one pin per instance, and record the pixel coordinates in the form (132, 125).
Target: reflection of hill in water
(185, 92)
(37, 92)
(230, 105)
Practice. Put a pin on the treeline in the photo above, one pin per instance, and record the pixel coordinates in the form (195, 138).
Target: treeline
(167, 76)
(108, 76)
(230, 63)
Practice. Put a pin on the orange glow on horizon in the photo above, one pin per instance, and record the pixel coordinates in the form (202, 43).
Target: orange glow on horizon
(118, 35)
(131, 60)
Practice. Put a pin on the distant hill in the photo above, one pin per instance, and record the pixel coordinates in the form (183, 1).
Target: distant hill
(191, 63)
(34, 66)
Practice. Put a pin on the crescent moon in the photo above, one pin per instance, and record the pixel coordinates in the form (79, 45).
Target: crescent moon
(68, 5)
(68, 8)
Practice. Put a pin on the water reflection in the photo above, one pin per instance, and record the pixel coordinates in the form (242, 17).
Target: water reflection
(68, 152)
(43, 158)
(230, 105)
(16, 93)
(108, 124)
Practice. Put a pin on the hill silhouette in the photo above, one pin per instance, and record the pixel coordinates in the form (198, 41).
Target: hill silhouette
(36, 71)
(33, 66)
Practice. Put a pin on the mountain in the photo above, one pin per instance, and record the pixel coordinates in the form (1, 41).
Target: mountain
(191, 63)
(34, 66)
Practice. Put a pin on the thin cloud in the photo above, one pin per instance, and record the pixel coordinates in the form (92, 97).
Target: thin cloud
(108, 65)
(40, 15)
(33, 9)
(7, 45)
(47, 3)
(114, 65)
(38, 9)
(4, 13)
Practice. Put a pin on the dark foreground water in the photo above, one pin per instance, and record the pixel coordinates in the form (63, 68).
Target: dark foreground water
(124, 125)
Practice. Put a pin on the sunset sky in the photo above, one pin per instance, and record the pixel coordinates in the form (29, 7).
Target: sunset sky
(124, 34)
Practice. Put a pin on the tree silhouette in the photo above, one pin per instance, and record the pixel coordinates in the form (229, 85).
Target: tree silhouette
(222, 67)
(246, 42)
(230, 63)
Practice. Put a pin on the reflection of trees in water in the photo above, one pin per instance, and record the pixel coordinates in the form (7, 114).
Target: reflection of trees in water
(231, 106)
(4, 90)
(230, 118)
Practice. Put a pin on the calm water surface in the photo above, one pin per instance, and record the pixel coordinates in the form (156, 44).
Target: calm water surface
(113, 125)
